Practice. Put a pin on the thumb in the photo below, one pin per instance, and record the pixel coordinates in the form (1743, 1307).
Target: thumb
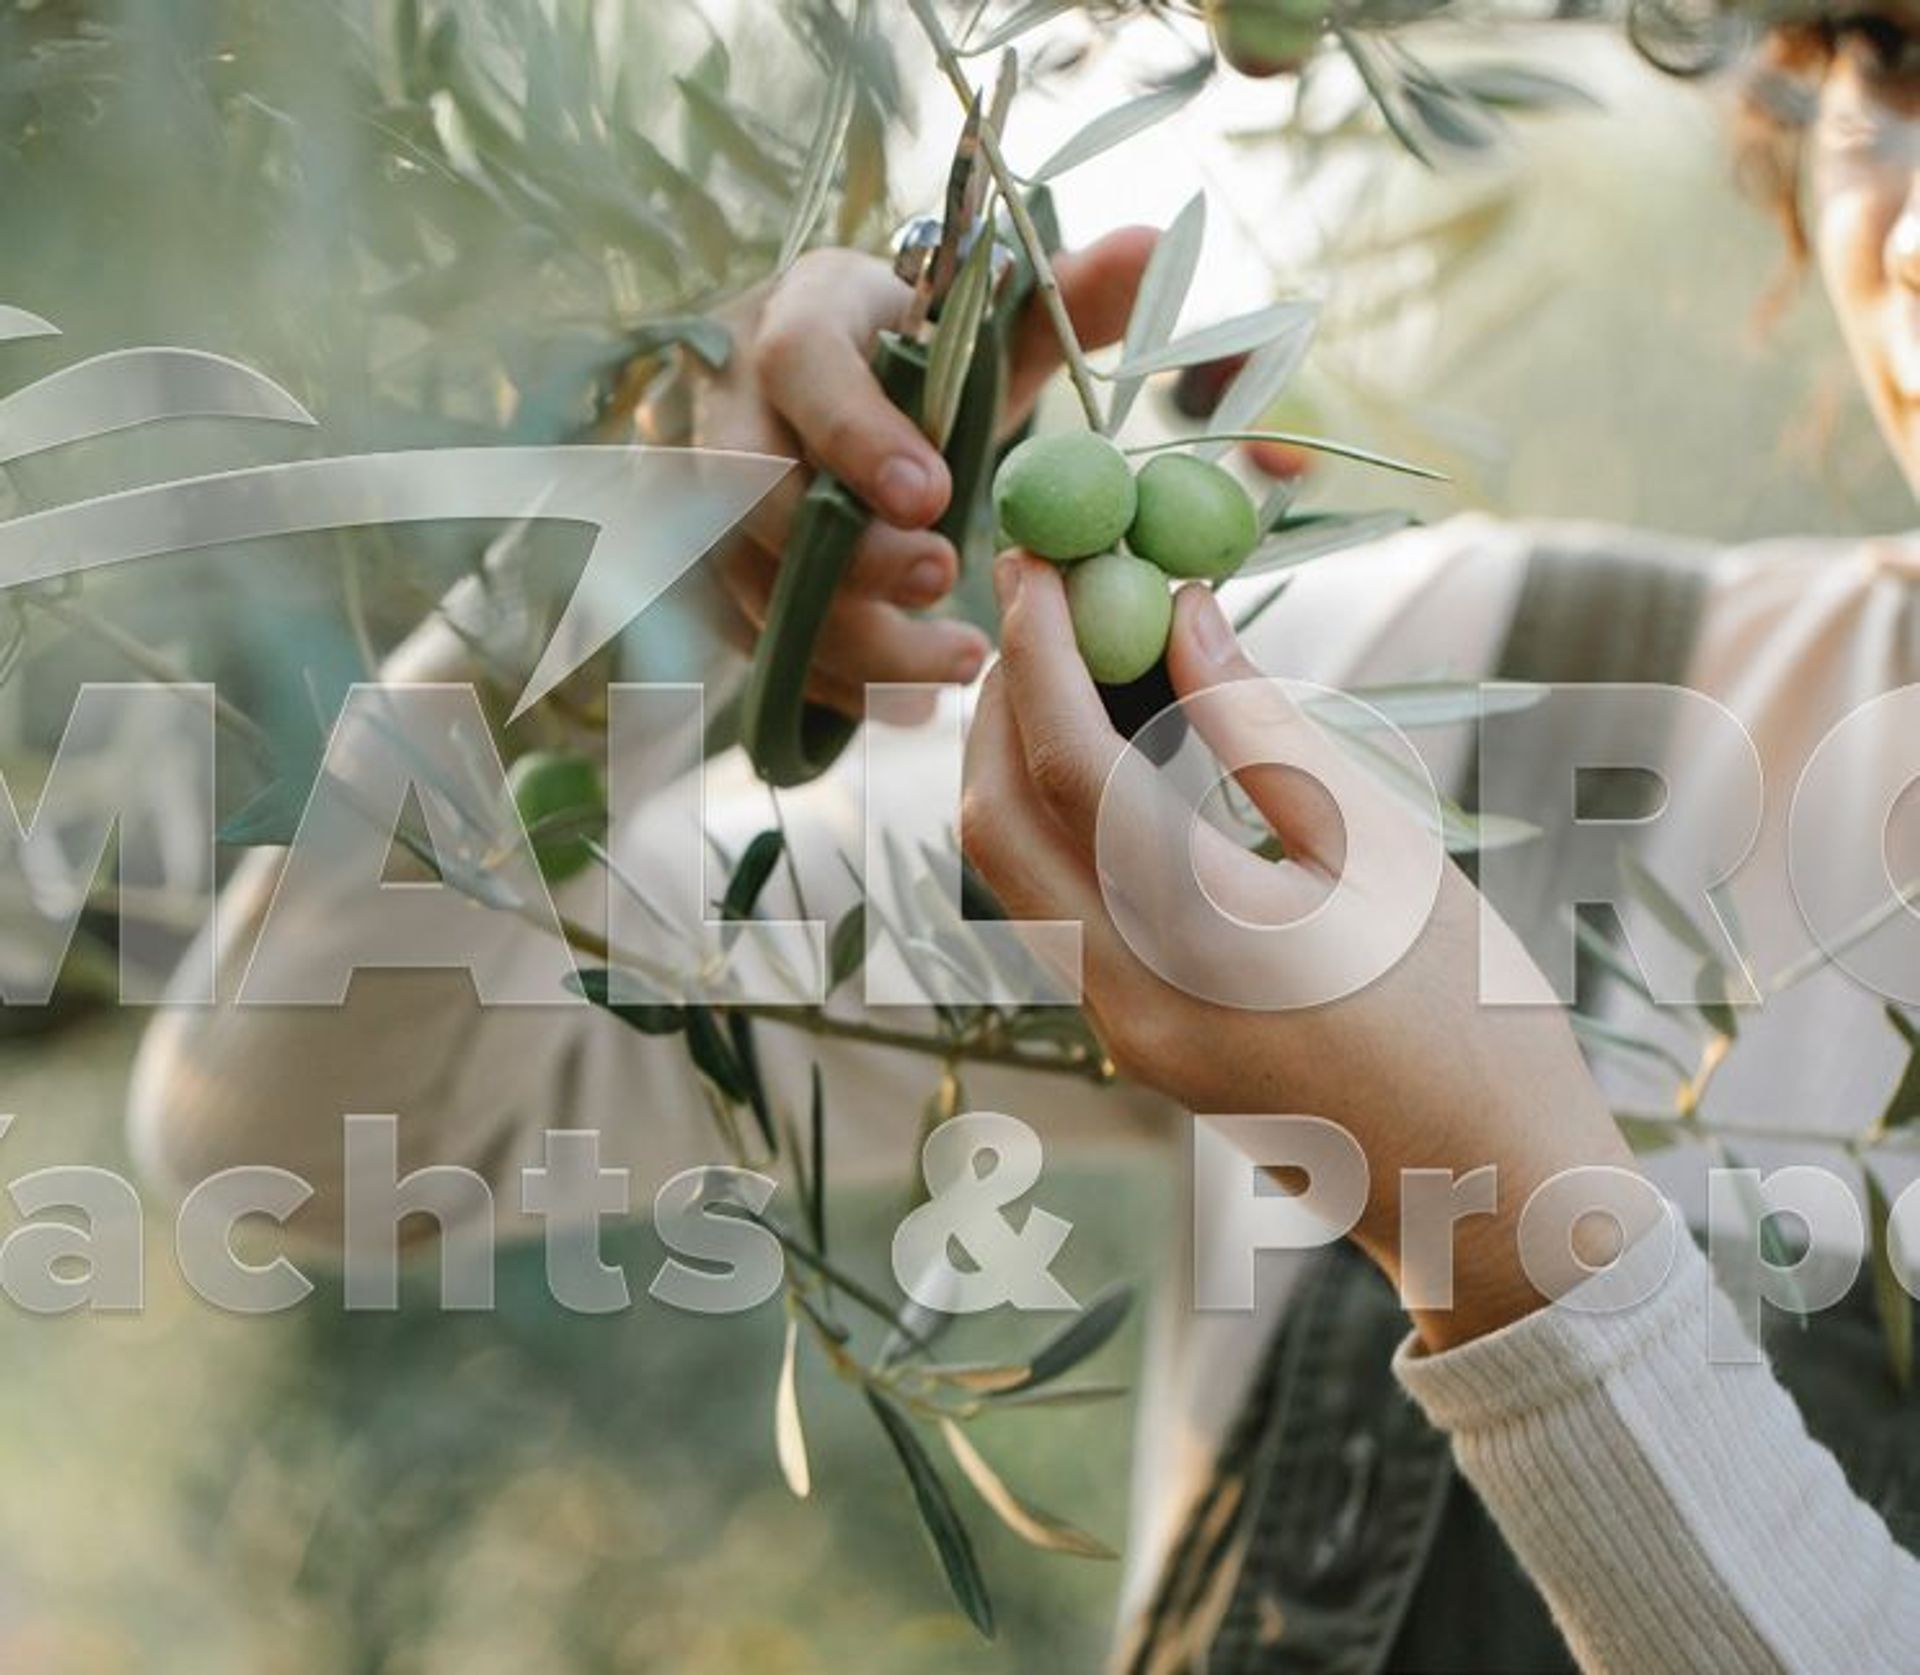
(1293, 773)
(1098, 286)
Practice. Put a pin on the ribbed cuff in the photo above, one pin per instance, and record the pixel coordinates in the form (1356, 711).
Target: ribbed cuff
(1656, 1287)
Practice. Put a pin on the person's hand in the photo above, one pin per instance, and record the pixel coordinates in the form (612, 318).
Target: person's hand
(1411, 1063)
(799, 384)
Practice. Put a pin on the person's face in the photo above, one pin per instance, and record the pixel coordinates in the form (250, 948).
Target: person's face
(1865, 218)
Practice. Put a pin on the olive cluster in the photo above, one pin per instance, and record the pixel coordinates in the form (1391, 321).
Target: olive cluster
(1074, 499)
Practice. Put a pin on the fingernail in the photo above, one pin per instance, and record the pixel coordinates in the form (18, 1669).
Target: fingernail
(904, 485)
(968, 664)
(1212, 633)
(927, 580)
(1006, 581)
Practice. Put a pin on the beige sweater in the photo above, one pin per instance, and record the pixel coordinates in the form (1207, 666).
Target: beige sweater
(1673, 1511)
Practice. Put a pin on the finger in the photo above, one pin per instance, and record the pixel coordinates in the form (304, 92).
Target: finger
(1295, 775)
(812, 354)
(1098, 285)
(1069, 745)
(1012, 838)
(911, 567)
(865, 640)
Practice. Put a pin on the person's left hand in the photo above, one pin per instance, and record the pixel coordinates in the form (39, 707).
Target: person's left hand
(1412, 1064)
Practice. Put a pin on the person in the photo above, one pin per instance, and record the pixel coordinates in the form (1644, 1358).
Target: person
(1667, 1510)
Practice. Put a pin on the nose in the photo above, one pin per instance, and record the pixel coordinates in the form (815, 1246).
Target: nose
(1903, 241)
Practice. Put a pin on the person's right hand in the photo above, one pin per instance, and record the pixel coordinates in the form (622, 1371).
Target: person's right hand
(799, 384)
(1344, 1019)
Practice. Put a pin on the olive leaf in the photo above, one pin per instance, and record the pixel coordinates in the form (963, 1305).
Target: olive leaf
(1163, 293)
(1251, 614)
(1592, 1032)
(1262, 381)
(1647, 1133)
(751, 875)
(817, 1162)
(1296, 439)
(1122, 123)
(1082, 1337)
(1664, 906)
(1774, 1250)
(1413, 705)
(1037, 1528)
(747, 1056)
(1903, 1108)
(268, 820)
(1301, 540)
(1523, 87)
(823, 155)
(951, 1543)
(789, 1438)
(650, 1018)
(956, 341)
(1711, 1002)
(1027, 16)
(847, 950)
(1891, 1299)
(725, 134)
(1461, 833)
(1062, 1395)
(1238, 336)
(714, 1057)
(1600, 949)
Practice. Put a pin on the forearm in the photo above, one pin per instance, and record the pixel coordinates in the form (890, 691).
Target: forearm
(1673, 1510)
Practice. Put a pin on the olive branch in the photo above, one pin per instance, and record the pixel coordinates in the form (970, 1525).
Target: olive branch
(539, 247)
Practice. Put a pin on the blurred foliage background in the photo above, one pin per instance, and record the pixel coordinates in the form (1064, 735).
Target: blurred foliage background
(1569, 330)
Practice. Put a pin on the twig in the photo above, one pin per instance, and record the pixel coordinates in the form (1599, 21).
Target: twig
(1046, 282)
(151, 664)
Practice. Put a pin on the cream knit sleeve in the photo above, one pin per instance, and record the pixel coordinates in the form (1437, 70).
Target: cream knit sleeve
(1673, 1510)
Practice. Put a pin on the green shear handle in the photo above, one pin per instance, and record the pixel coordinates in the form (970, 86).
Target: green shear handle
(789, 740)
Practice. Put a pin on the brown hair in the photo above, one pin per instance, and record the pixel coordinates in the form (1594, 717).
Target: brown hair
(1777, 93)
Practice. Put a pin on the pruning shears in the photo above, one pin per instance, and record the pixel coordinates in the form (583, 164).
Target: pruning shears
(789, 740)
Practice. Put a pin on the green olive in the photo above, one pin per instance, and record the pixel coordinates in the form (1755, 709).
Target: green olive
(563, 805)
(1064, 497)
(1194, 518)
(1267, 37)
(1122, 613)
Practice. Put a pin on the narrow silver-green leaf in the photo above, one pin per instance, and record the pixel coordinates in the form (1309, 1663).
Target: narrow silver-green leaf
(1241, 335)
(1418, 704)
(1037, 1528)
(1083, 1336)
(848, 949)
(1314, 444)
(1711, 1002)
(1648, 1134)
(1773, 1244)
(1603, 954)
(1317, 536)
(956, 340)
(823, 155)
(1593, 1032)
(1664, 906)
(1903, 1109)
(1115, 127)
(1016, 23)
(1521, 87)
(1163, 293)
(1262, 381)
(951, 1543)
